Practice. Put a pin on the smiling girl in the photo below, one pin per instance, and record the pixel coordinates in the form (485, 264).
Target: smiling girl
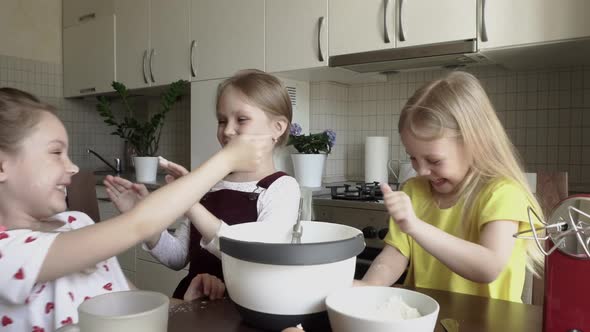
(453, 223)
(51, 260)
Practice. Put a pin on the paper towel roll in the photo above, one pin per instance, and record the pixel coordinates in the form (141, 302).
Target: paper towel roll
(376, 158)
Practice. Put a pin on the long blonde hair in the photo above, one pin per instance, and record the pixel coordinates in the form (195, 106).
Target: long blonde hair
(457, 104)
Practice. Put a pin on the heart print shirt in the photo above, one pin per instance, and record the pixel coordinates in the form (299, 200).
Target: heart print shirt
(43, 307)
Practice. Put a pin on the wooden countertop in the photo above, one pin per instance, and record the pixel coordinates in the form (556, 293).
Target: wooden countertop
(474, 314)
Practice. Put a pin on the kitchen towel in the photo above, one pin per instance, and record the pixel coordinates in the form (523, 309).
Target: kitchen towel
(376, 158)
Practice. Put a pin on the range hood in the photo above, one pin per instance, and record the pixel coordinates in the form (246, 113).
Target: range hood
(449, 55)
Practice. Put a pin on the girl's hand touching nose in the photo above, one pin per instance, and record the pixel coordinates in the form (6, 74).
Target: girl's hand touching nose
(400, 208)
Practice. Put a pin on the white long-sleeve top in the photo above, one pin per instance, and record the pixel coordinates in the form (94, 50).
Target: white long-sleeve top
(278, 203)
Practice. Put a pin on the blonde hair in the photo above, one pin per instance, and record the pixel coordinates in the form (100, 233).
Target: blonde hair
(19, 113)
(264, 91)
(457, 105)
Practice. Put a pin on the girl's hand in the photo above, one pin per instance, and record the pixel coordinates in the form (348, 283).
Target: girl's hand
(247, 152)
(205, 285)
(124, 193)
(400, 208)
(174, 170)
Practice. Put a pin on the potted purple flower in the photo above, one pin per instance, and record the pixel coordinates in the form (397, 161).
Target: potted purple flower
(308, 164)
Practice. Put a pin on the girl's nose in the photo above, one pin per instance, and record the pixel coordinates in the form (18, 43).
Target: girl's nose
(229, 130)
(71, 167)
(423, 170)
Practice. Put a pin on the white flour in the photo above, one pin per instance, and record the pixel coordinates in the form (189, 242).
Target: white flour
(393, 309)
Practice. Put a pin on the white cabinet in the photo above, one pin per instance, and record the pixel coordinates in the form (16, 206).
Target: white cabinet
(151, 275)
(152, 42)
(77, 11)
(226, 36)
(371, 25)
(89, 56)
(296, 34)
(203, 121)
(133, 43)
(505, 23)
(423, 22)
(360, 26)
(157, 277)
(169, 37)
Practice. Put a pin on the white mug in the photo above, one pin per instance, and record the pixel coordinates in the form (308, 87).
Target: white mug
(405, 171)
(134, 310)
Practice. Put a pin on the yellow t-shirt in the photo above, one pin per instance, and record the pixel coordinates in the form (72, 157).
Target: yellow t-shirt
(499, 200)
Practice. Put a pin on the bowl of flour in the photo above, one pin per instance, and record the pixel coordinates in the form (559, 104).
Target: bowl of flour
(381, 309)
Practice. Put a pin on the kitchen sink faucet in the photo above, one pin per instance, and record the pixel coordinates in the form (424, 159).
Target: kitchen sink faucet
(116, 168)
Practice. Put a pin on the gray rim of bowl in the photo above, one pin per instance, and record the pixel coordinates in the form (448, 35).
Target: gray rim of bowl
(293, 254)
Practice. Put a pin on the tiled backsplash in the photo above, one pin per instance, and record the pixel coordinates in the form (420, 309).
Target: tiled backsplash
(84, 125)
(545, 112)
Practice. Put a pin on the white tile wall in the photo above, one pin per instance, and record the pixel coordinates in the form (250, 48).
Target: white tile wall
(545, 112)
(83, 123)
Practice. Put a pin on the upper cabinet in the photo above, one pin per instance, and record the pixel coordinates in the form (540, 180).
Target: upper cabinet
(296, 34)
(77, 11)
(505, 23)
(371, 25)
(226, 36)
(361, 26)
(133, 42)
(152, 42)
(421, 22)
(88, 47)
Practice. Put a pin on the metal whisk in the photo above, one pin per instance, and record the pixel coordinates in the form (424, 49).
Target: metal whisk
(560, 230)
(297, 228)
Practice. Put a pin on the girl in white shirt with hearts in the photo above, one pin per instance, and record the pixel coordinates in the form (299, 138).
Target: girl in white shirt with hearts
(51, 260)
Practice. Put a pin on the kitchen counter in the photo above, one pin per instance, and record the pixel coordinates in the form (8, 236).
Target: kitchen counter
(327, 200)
(474, 314)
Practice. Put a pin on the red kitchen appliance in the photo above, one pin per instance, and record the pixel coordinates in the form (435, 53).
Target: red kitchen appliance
(566, 237)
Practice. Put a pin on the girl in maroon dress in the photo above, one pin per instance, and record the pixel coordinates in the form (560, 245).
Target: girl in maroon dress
(250, 102)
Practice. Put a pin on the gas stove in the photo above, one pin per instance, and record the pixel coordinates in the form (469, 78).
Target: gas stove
(361, 191)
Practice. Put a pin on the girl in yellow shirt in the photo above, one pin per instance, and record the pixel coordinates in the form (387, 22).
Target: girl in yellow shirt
(452, 225)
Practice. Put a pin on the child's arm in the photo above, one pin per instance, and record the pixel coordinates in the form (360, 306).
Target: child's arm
(479, 262)
(385, 269)
(203, 220)
(170, 250)
(75, 250)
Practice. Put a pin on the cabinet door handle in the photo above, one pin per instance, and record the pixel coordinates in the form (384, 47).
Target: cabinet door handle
(320, 27)
(87, 90)
(145, 79)
(86, 17)
(385, 30)
(193, 45)
(402, 36)
(484, 31)
(152, 53)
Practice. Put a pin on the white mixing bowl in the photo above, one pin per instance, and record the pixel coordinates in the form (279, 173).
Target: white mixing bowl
(276, 284)
(354, 309)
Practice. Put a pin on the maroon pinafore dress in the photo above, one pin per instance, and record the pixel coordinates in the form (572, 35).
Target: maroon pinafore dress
(231, 206)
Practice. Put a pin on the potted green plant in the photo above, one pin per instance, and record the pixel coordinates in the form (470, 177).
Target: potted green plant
(142, 136)
(313, 149)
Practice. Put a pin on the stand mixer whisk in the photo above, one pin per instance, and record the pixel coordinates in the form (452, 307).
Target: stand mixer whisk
(566, 245)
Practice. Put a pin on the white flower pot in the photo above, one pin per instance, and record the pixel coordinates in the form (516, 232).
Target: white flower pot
(146, 169)
(308, 169)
